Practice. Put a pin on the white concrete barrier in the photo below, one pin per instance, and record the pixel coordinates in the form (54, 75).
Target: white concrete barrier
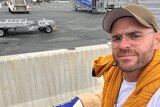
(42, 79)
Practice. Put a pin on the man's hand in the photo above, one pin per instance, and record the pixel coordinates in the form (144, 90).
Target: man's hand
(91, 99)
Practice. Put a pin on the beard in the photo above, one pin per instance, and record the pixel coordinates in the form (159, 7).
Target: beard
(143, 58)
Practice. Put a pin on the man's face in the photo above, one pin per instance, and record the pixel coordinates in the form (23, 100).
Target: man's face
(132, 54)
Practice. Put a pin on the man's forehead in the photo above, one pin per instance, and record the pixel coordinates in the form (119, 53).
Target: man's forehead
(125, 22)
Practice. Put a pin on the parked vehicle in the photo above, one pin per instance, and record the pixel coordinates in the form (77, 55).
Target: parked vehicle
(31, 25)
(18, 6)
(96, 5)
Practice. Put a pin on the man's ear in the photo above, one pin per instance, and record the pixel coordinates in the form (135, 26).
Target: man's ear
(157, 44)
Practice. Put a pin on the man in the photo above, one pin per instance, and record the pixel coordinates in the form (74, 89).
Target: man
(132, 73)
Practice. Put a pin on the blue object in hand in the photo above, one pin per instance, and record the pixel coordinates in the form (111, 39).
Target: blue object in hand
(74, 102)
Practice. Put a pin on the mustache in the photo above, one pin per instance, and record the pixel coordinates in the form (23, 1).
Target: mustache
(127, 51)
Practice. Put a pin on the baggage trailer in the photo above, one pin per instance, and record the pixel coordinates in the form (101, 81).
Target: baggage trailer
(18, 6)
(31, 25)
(95, 5)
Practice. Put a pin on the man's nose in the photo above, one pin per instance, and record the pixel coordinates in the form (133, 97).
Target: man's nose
(124, 43)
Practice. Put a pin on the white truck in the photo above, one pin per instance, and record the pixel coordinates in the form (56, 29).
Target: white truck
(18, 6)
(41, 24)
(93, 5)
(98, 5)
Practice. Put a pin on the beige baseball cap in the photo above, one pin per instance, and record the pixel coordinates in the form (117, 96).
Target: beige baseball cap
(141, 13)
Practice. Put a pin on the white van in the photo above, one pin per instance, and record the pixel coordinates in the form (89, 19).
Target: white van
(15, 6)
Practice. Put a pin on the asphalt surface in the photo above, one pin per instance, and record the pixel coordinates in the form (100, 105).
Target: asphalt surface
(74, 28)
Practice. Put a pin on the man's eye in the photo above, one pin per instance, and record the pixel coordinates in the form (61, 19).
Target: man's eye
(116, 38)
(135, 36)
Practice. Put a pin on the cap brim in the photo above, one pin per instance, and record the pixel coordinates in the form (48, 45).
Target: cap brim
(117, 13)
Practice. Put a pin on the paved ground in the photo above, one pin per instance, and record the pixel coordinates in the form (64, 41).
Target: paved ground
(75, 28)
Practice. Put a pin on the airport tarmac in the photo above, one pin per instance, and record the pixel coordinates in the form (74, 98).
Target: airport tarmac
(74, 29)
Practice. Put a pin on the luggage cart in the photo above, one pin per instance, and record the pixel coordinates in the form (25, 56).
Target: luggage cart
(31, 25)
